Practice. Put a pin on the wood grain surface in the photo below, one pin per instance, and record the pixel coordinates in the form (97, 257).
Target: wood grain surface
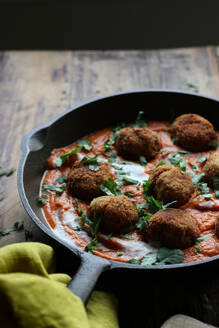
(37, 86)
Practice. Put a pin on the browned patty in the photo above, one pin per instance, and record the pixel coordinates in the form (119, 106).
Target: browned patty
(193, 132)
(169, 184)
(173, 228)
(210, 168)
(116, 212)
(84, 183)
(135, 142)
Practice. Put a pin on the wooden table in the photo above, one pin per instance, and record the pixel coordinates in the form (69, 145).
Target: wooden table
(37, 86)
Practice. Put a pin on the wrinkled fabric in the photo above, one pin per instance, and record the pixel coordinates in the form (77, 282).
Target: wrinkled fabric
(32, 295)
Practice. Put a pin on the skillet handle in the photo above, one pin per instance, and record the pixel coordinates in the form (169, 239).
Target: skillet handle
(83, 282)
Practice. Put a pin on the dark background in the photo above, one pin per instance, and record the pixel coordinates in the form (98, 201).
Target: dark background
(107, 24)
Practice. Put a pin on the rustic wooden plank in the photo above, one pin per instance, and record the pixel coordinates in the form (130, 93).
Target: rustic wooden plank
(36, 86)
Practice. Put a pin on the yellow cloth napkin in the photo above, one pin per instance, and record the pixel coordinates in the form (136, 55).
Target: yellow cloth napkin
(32, 295)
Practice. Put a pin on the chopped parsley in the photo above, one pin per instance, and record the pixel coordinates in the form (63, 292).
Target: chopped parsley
(193, 85)
(146, 186)
(108, 236)
(86, 144)
(60, 160)
(158, 164)
(177, 161)
(18, 226)
(127, 180)
(112, 157)
(154, 205)
(134, 261)
(216, 184)
(119, 254)
(59, 190)
(199, 240)
(116, 131)
(139, 122)
(130, 195)
(8, 172)
(110, 188)
(60, 179)
(203, 159)
(92, 162)
(143, 160)
(175, 140)
(92, 245)
(126, 236)
(164, 256)
(107, 144)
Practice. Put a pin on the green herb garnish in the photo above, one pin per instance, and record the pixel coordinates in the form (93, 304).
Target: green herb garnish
(60, 160)
(216, 184)
(59, 190)
(60, 179)
(112, 157)
(126, 236)
(164, 256)
(193, 85)
(203, 159)
(92, 245)
(158, 164)
(139, 123)
(110, 188)
(143, 160)
(18, 226)
(7, 173)
(86, 144)
(134, 261)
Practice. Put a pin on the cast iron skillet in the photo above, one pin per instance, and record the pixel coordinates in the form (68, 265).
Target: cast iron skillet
(80, 121)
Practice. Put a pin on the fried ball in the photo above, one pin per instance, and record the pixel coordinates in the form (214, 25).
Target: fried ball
(135, 142)
(169, 184)
(210, 168)
(84, 183)
(193, 132)
(173, 228)
(116, 212)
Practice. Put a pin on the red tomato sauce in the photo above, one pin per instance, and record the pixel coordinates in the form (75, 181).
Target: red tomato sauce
(61, 211)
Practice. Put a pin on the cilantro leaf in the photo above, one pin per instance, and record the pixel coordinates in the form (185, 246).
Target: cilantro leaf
(146, 186)
(200, 239)
(193, 85)
(112, 157)
(18, 225)
(60, 160)
(134, 261)
(216, 184)
(60, 179)
(126, 236)
(59, 190)
(110, 188)
(92, 245)
(203, 159)
(139, 123)
(143, 160)
(170, 256)
(86, 144)
(7, 173)
(116, 131)
(158, 164)
(149, 259)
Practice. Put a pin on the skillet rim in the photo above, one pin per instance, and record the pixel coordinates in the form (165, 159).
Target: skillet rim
(77, 251)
